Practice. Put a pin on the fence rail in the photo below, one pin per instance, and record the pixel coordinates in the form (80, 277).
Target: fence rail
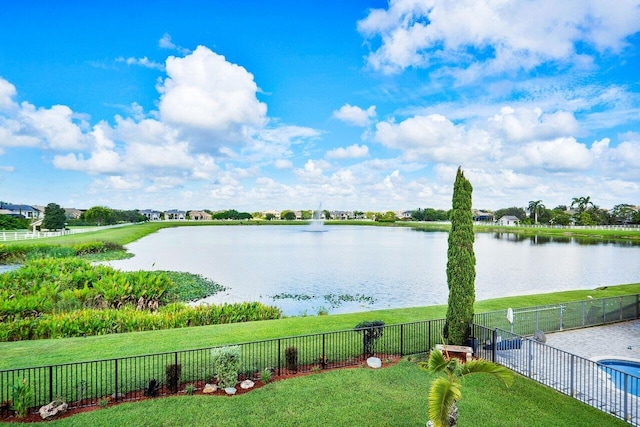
(14, 235)
(127, 378)
(605, 388)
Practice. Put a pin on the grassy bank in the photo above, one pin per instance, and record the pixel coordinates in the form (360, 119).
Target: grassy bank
(393, 396)
(54, 351)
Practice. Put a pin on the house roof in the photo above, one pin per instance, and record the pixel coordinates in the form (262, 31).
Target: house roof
(509, 218)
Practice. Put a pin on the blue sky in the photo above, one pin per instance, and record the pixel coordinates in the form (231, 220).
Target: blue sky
(360, 105)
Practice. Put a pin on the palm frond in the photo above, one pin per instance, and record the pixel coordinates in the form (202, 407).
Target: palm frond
(442, 396)
(481, 366)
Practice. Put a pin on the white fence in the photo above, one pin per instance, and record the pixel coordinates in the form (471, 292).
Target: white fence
(13, 235)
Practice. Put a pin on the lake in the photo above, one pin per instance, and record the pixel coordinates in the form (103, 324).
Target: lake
(358, 268)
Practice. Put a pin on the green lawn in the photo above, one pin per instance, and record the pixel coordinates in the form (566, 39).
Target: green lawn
(392, 396)
(54, 351)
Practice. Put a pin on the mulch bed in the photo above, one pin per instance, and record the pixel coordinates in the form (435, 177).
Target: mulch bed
(135, 396)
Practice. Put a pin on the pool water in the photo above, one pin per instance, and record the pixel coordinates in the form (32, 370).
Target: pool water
(621, 371)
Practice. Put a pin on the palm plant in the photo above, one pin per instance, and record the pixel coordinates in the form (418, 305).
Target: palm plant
(535, 206)
(445, 391)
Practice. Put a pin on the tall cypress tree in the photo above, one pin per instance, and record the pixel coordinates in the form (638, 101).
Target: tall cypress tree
(461, 264)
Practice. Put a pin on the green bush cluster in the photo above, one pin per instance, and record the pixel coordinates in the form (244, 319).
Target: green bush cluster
(226, 364)
(15, 254)
(89, 322)
(69, 297)
(50, 285)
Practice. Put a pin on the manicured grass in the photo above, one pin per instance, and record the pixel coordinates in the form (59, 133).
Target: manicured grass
(393, 396)
(46, 352)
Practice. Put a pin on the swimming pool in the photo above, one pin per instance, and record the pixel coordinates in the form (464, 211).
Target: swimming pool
(621, 371)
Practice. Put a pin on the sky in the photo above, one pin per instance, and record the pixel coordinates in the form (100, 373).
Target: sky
(286, 104)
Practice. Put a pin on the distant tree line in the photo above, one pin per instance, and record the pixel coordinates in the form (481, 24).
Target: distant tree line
(430, 214)
(581, 211)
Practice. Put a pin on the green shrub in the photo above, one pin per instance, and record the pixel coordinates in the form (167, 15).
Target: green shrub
(371, 331)
(190, 389)
(22, 398)
(291, 358)
(265, 376)
(173, 372)
(226, 363)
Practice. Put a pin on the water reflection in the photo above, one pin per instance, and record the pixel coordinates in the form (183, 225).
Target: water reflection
(542, 240)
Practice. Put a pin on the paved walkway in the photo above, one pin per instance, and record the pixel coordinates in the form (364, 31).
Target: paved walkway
(609, 340)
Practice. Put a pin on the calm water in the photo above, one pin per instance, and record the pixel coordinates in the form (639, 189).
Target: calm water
(377, 267)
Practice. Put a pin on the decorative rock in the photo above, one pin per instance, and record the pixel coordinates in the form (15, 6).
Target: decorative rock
(374, 362)
(119, 395)
(210, 388)
(230, 390)
(247, 384)
(52, 409)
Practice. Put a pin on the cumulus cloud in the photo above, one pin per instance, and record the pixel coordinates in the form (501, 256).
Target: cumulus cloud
(210, 99)
(25, 125)
(354, 115)
(488, 37)
(433, 138)
(350, 152)
(525, 124)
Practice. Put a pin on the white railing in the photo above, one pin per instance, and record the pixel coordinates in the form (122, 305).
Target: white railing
(13, 235)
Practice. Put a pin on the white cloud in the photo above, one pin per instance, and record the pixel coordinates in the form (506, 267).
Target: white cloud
(313, 170)
(434, 138)
(7, 93)
(165, 42)
(490, 37)
(283, 164)
(525, 124)
(6, 168)
(350, 152)
(627, 154)
(210, 99)
(142, 62)
(354, 115)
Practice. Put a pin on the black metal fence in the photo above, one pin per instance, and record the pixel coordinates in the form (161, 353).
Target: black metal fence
(605, 388)
(128, 378)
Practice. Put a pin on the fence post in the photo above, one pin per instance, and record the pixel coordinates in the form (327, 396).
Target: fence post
(572, 379)
(116, 381)
(279, 357)
(429, 336)
(324, 357)
(51, 383)
(401, 339)
(626, 396)
(494, 339)
(620, 299)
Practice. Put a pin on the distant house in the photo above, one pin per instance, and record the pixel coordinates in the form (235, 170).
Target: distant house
(72, 213)
(19, 211)
(509, 220)
(199, 216)
(151, 215)
(479, 215)
(175, 214)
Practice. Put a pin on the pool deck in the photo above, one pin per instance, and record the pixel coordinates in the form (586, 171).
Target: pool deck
(599, 341)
